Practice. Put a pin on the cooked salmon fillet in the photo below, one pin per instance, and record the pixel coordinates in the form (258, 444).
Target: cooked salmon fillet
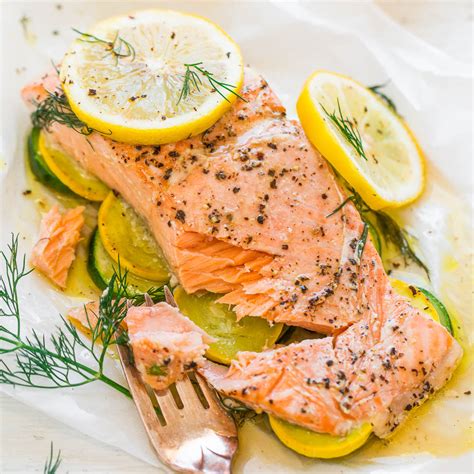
(246, 210)
(239, 210)
(165, 343)
(55, 249)
(376, 371)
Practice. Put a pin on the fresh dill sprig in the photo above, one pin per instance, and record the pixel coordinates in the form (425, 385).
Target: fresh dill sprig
(56, 109)
(192, 82)
(52, 465)
(381, 224)
(239, 412)
(359, 250)
(349, 130)
(398, 237)
(343, 203)
(376, 89)
(156, 293)
(40, 362)
(118, 47)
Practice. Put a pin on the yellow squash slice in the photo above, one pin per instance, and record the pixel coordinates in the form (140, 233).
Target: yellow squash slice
(71, 173)
(125, 236)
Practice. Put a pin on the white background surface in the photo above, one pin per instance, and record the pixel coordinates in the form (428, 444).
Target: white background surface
(26, 433)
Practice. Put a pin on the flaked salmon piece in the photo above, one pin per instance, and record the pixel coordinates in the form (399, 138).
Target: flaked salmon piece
(55, 249)
(37, 91)
(376, 371)
(245, 204)
(86, 315)
(165, 343)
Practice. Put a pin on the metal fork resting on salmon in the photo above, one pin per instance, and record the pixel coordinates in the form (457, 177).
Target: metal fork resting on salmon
(246, 210)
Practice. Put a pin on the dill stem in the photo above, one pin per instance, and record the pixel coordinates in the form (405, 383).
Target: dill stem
(96, 375)
(117, 386)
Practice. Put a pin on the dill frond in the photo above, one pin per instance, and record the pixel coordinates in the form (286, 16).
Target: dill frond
(119, 47)
(376, 89)
(52, 464)
(359, 250)
(380, 225)
(398, 237)
(36, 361)
(348, 130)
(192, 82)
(56, 109)
(239, 412)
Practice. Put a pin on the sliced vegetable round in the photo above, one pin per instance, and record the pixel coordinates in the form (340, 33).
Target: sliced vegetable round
(443, 314)
(156, 76)
(319, 445)
(424, 301)
(39, 167)
(219, 321)
(125, 235)
(101, 268)
(416, 297)
(363, 138)
(71, 173)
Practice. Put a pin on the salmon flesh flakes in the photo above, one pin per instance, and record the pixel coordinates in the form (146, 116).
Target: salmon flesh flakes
(55, 249)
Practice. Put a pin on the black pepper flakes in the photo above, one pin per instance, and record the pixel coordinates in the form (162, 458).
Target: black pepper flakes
(180, 216)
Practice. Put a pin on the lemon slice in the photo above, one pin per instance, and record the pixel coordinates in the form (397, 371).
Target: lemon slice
(319, 445)
(367, 143)
(127, 77)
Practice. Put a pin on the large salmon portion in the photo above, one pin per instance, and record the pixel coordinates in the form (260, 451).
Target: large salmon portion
(240, 210)
(376, 371)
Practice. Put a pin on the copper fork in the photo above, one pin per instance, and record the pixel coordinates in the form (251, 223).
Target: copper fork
(186, 424)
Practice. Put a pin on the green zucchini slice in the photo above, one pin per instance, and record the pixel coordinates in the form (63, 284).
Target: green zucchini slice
(443, 314)
(101, 267)
(219, 321)
(40, 169)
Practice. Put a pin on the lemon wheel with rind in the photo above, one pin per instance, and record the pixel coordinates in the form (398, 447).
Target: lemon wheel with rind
(125, 76)
(390, 172)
